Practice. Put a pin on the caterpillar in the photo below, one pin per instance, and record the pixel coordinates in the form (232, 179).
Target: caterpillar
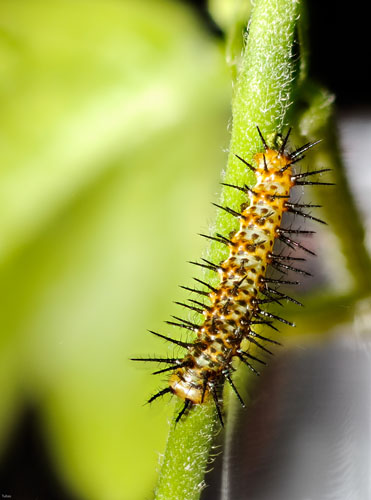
(237, 304)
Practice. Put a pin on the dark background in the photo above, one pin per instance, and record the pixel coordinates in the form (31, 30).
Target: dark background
(340, 56)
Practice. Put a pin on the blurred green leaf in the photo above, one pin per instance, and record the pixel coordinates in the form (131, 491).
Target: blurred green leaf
(102, 162)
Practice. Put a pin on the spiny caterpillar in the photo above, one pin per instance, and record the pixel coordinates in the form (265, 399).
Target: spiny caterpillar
(237, 303)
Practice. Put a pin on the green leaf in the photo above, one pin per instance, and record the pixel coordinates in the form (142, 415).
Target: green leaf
(104, 174)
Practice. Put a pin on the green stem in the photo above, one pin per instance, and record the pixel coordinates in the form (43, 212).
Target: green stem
(263, 94)
(339, 208)
(342, 215)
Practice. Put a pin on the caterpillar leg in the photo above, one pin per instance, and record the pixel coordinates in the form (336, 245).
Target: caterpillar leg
(217, 403)
(187, 404)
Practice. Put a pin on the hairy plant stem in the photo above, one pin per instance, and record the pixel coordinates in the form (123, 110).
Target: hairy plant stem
(262, 96)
